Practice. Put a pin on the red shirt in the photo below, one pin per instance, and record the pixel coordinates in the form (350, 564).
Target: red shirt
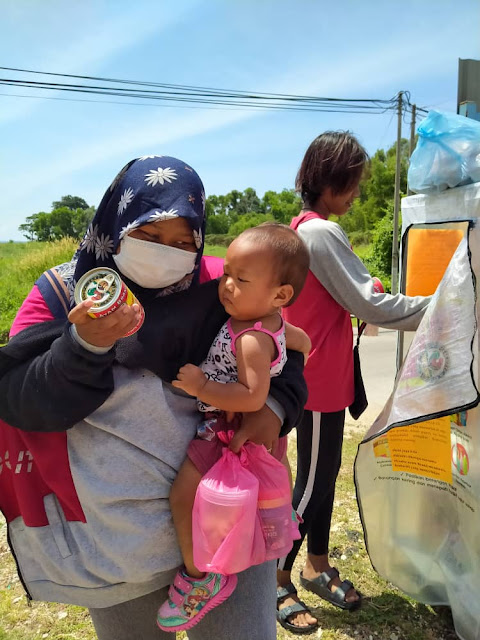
(329, 370)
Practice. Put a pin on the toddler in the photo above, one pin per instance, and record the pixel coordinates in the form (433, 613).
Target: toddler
(264, 270)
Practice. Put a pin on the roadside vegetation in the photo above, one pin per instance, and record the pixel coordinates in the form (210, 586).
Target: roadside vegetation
(21, 263)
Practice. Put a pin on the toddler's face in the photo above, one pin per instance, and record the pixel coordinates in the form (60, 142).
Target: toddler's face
(248, 287)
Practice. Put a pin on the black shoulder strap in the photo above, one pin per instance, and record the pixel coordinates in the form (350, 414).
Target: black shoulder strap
(360, 329)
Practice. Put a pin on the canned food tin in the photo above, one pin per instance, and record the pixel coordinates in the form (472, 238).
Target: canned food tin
(108, 292)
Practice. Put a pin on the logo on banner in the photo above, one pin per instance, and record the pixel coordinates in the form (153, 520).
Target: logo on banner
(432, 362)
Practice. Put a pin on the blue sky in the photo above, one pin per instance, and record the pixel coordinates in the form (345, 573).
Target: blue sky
(369, 49)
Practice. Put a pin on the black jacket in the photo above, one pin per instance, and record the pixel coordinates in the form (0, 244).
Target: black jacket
(48, 382)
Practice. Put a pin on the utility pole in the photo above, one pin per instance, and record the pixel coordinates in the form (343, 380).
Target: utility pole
(412, 129)
(412, 135)
(396, 204)
(401, 334)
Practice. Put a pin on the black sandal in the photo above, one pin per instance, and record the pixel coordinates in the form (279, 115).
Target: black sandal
(320, 586)
(286, 612)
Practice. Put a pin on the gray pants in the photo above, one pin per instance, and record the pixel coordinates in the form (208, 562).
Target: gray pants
(249, 613)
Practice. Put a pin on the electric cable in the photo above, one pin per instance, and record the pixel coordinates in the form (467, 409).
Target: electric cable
(198, 95)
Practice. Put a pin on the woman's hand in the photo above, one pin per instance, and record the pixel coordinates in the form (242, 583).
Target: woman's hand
(104, 332)
(260, 427)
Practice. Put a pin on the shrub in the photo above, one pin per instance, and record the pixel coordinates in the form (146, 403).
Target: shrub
(249, 220)
(222, 239)
(360, 237)
(379, 259)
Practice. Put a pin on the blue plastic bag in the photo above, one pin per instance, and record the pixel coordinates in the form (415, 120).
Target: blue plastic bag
(447, 153)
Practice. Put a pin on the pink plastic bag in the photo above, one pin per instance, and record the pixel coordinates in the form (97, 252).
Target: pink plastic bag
(279, 524)
(226, 532)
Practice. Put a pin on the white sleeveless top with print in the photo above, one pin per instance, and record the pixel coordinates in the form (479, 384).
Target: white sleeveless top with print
(220, 364)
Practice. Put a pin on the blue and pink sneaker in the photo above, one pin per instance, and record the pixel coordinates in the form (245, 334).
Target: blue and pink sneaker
(189, 599)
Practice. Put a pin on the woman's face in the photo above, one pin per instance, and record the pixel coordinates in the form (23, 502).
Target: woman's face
(339, 203)
(158, 254)
(173, 233)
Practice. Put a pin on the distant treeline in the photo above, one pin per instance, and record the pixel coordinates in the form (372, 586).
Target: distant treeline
(368, 222)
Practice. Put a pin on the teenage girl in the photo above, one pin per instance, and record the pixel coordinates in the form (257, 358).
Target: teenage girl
(338, 284)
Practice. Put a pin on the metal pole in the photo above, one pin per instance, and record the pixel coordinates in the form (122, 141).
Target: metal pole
(412, 129)
(396, 204)
(412, 135)
(401, 334)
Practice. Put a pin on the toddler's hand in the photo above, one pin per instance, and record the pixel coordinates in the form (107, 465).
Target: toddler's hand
(191, 379)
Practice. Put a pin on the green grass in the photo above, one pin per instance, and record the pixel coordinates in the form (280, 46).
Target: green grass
(215, 250)
(21, 263)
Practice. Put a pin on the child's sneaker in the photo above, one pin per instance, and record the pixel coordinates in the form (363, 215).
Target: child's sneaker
(190, 599)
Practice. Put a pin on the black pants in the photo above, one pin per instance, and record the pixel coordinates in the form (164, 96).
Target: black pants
(319, 455)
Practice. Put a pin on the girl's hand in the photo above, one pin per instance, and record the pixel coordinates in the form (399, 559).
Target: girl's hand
(104, 332)
(191, 379)
(260, 427)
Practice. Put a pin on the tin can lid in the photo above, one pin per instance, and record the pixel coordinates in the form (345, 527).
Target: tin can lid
(101, 285)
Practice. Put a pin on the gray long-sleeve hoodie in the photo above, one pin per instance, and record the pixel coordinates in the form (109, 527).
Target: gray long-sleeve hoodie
(339, 284)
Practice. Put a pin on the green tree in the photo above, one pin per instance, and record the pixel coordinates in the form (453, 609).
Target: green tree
(59, 223)
(72, 202)
(217, 224)
(81, 218)
(282, 206)
(224, 211)
(377, 190)
(248, 220)
(41, 226)
(379, 259)
(27, 229)
(248, 202)
(214, 205)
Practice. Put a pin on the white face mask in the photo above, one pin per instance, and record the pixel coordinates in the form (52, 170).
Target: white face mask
(153, 265)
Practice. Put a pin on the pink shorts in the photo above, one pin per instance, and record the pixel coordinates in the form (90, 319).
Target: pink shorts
(206, 449)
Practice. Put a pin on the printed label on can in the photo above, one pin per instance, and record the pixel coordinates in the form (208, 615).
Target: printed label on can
(107, 291)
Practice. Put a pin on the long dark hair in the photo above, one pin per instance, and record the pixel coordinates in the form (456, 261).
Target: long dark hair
(334, 159)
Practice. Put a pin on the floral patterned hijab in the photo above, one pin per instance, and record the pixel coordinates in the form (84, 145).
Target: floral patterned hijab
(147, 189)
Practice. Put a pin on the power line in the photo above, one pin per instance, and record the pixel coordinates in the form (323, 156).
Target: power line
(254, 101)
(213, 98)
(224, 92)
(189, 99)
(122, 102)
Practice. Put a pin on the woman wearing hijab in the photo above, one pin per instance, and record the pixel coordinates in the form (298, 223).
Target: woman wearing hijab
(94, 433)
